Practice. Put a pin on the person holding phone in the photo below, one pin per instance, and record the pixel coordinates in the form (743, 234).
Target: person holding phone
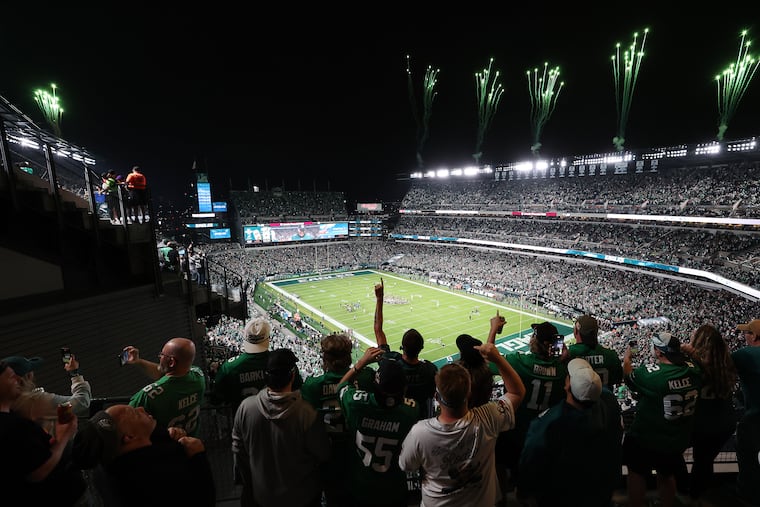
(543, 374)
(41, 406)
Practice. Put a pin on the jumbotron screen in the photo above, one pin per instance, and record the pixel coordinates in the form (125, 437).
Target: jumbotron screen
(369, 206)
(294, 231)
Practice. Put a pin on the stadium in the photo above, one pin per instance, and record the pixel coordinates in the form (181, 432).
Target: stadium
(664, 238)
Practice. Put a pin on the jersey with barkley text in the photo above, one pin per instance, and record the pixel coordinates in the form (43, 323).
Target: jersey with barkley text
(667, 399)
(174, 401)
(605, 362)
(243, 376)
(378, 432)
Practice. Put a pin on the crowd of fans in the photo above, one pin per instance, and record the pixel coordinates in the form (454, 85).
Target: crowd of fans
(695, 191)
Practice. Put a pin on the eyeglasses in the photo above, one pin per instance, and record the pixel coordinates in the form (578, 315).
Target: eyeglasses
(161, 354)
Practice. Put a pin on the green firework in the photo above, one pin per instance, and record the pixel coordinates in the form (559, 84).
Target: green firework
(544, 91)
(488, 91)
(428, 96)
(625, 72)
(51, 108)
(733, 84)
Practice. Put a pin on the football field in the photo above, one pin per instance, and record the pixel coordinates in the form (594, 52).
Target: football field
(346, 301)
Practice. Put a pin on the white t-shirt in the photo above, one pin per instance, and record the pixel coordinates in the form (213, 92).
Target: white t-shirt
(458, 459)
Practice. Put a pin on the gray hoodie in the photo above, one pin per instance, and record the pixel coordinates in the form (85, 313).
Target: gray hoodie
(279, 444)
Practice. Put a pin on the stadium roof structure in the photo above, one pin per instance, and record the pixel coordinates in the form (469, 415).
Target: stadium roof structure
(20, 130)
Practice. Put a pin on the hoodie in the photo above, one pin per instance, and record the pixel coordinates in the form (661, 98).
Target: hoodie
(577, 452)
(279, 444)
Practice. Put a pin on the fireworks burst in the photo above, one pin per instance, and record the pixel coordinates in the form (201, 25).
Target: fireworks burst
(429, 93)
(625, 71)
(50, 107)
(544, 91)
(733, 83)
(488, 93)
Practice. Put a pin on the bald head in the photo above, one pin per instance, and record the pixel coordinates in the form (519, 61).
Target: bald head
(177, 356)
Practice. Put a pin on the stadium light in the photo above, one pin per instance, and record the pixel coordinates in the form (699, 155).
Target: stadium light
(470, 171)
(442, 173)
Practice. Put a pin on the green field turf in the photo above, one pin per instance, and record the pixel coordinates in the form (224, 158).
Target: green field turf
(440, 314)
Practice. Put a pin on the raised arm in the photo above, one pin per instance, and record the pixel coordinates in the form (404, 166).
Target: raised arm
(497, 324)
(512, 381)
(379, 333)
(148, 367)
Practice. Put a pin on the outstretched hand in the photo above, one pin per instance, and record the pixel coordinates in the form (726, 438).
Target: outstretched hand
(380, 289)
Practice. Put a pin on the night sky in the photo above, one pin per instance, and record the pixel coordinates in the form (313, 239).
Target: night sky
(318, 97)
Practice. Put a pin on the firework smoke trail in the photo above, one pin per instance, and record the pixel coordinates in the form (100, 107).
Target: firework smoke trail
(488, 96)
(50, 107)
(544, 92)
(733, 83)
(428, 96)
(625, 72)
(429, 93)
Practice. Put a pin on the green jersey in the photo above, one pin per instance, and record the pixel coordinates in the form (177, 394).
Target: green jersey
(242, 376)
(378, 432)
(174, 401)
(322, 393)
(668, 394)
(420, 381)
(605, 362)
(544, 381)
(747, 362)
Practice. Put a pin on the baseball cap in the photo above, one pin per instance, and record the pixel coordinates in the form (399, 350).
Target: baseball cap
(585, 383)
(22, 365)
(545, 331)
(256, 335)
(390, 377)
(753, 325)
(467, 353)
(670, 346)
(96, 441)
(587, 325)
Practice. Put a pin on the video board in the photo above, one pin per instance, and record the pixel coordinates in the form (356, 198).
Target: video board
(294, 231)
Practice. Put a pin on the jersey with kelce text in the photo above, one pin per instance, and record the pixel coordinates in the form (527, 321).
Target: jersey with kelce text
(668, 395)
(174, 401)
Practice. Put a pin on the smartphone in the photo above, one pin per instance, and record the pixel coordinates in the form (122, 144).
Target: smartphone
(65, 355)
(634, 346)
(557, 346)
(123, 358)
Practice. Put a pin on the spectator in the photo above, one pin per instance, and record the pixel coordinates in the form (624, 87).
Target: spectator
(34, 469)
(747, 362)
(379, 420)
(481, 371)
(582, 432)
(40, 406)
(245, 374)
(543, 375)
(175, 398)
(279, 441)
(605, 361)
(138, 195)
(130, 446)
(715, 416)
(481, 379)
(657, 439)
(456, 448)
(420, 373)
(110, 188)
(321, 391)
